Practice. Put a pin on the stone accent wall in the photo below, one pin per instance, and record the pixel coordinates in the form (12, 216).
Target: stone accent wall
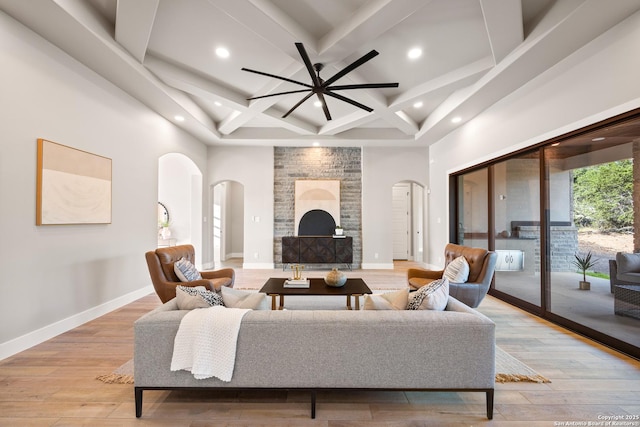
(344, 164)
(564, 244)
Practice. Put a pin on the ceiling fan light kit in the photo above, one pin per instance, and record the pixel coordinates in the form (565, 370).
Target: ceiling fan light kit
(321, 87)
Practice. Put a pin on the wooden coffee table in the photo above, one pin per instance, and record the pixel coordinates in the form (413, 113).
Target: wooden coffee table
(274, 287)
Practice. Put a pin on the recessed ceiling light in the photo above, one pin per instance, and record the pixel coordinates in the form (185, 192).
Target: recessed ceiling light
(600, 138)
(414, 53)
(222, 52)
(317, 104)
(179, 118)
(418, 104)
(217, 104)
(456, 120)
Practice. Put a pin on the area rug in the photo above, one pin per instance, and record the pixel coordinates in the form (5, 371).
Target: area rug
(508, 369)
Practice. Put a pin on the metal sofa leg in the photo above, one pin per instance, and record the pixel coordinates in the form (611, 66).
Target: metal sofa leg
(313, 404)
(490, 404)
(138, 394)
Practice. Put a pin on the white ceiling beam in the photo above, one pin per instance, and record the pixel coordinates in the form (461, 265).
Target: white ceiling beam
(179, 78)
(261, 17)
(336, 126)
(534, 56)
(503, 21)
(460, 77)
(88, 38)
(134, 22)
(373, 19)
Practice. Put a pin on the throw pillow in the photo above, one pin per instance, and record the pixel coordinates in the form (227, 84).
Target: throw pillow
(389, 301)
(457, 271)
(235, 298)
(186, 271)
(433, 296)
(189, 298)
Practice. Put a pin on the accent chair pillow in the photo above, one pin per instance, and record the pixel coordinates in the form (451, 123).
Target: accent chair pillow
(235, 298)
(457, 271)
(189, 297)
(186, 271)
(432, 296)
(388, 301)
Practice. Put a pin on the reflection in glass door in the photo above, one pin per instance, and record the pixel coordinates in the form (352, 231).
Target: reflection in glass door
(473, 209)
(516, 196)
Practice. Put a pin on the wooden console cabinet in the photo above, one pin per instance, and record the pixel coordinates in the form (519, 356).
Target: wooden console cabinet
(317, 250)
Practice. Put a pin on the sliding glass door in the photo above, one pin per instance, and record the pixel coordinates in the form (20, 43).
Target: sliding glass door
(557, 214)
(516, 195)
(591, 190)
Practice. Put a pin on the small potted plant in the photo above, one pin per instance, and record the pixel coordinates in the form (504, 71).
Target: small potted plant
(339, 230)
(584, 262)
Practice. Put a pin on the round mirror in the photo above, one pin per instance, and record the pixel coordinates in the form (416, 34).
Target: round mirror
(163, 215)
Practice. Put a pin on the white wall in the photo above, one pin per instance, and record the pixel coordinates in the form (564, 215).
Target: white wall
(253, 168)
(597, 82)
(56, 277)
(381, 169)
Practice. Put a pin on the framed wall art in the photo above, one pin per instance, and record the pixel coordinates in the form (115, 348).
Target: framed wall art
(320, 194)
(73, 186)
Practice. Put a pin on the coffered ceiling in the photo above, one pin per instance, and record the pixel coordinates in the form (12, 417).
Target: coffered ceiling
(474, 52)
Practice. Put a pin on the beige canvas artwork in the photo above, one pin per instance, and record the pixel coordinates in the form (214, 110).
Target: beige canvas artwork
(321, 194)
(73, 186)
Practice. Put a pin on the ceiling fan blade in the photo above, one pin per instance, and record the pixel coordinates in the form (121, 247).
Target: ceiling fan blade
(279, 93)
(277, 77)
(349, 68)
(349, 101)
(363, 86)
(324, 106)
(297, 105)
(307, 63)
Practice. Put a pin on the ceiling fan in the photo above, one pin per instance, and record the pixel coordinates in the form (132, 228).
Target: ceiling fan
(324, 87)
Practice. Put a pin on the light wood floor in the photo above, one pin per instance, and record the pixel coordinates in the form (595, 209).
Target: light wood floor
(53, 384)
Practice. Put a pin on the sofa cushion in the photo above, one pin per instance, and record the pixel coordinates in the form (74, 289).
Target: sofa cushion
(235, 298)
(627, 263)
(186, 271)
(188, 298)
(433, 296)
(388, 301)
(457, 271)
(629, 277)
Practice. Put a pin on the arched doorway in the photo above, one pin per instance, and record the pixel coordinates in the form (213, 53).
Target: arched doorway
(408, 221)
(180, 191)
(228, 224)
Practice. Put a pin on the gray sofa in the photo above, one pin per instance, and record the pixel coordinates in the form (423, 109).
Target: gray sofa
(452, 350)
(624, 270)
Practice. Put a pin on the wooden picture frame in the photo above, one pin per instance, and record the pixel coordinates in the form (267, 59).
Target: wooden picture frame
(72, 186)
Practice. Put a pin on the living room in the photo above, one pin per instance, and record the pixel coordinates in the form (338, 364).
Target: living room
(73, 274)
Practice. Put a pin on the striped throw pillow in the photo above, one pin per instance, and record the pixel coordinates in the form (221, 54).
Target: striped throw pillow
(457, 271)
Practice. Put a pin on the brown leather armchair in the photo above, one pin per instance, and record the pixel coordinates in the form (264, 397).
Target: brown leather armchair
(482, 264)
(165, 281)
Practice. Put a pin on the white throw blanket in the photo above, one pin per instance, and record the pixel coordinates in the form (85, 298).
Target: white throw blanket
(206, 341)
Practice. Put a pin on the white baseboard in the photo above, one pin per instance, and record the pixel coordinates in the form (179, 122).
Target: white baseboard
(377, 266)
(26, 341)
(235, 255)
(258, 265)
